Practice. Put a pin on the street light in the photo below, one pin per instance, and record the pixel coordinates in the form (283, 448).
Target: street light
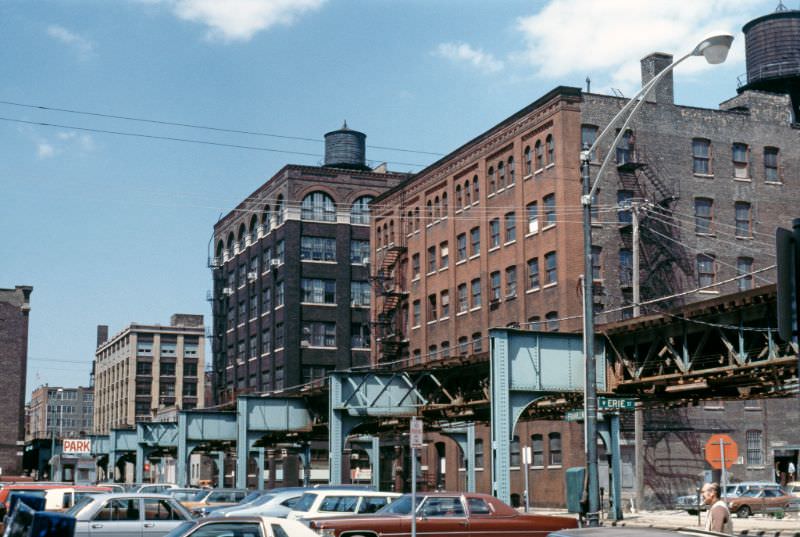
(715, 49)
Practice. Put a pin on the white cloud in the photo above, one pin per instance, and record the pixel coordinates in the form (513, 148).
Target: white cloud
(64, 142)
(239, 20)
(606, 40)
(83, 46)
(462, 52)
(45, 150)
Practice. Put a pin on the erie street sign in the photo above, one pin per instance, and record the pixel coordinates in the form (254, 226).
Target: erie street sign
(612, 403)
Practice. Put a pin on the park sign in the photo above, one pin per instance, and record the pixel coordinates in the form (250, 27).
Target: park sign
(76, 446)
(615, 403)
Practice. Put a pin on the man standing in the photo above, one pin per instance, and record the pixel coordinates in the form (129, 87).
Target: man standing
(718, 517)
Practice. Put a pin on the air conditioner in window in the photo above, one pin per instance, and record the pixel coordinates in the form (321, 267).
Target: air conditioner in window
(304, 344)
(227, 291)
(274, 262)
(365, 260)
(252, 276)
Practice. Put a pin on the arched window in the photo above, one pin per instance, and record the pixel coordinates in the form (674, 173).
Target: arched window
(475, 189)
(467, 193)
(359, 212)
(266, 219)
(437, 207)
(279, 210)
(511, 178)
(528, 169)
(254, 228)
(220, 250)
(391, 231)
(416, 218)
(444, 205)
(490, 184)
(537, 148)
(551, 149)
(429, 212)
(230, 242)
(240, 238)
(459, 199)
(410, 223)
(318, 206)
(501, 175)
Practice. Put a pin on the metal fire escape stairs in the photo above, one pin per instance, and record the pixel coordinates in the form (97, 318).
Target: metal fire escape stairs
(389, 286)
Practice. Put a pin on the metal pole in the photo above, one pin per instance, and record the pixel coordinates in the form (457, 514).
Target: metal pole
(722, 468)
(413, 492)
(527, 489)
(635, 268)
(638, 413)
(590, 387)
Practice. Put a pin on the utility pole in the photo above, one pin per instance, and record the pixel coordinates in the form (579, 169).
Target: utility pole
(638, 413)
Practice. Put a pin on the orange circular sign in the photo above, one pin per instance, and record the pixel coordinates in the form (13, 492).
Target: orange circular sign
(721, 447)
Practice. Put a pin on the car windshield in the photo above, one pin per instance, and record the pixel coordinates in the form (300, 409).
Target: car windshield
(200, 496)
(400, 506)
(181, 528)
(306, 501)
(79, 505)
(253, 496)
(264, 498)
(750, 493)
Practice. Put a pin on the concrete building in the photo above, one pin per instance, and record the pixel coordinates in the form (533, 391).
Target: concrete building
(292, 290)
(491, 234)
(147, 367)
(14, 312)
(60, 412)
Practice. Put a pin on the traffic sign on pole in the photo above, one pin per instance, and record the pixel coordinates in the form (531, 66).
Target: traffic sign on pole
(721, 451)
(415, 433)
(615, 403)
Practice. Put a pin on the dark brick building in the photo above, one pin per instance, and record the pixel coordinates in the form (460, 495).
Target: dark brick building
(292, 290)
(14, 310)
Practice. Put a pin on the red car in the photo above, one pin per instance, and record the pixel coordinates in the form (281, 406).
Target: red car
(443, 514)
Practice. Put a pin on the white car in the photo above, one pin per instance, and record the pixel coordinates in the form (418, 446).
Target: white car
(250, 526)
(339, 502)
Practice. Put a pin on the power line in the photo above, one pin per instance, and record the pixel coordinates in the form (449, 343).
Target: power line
(203, 127)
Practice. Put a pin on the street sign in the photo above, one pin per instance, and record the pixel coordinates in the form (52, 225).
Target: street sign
(416, 433)
(527, 455)
(75, 446)
(574, 415)
(719, 448)
(615, 403)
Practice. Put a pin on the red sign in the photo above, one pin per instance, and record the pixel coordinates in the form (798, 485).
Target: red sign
(721, 447)
(76, 445)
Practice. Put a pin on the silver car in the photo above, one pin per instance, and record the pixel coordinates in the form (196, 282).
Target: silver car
(127, 515)
(274, 503)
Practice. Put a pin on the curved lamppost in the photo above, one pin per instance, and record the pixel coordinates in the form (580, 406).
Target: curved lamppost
(715, 50)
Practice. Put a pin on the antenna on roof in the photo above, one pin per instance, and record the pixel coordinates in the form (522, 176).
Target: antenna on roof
(588, 85)
(781, 8)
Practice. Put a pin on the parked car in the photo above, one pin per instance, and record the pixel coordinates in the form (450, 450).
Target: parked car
(763, 500)
(183, 494)
(62, 498)
(274, 503)
(125, 514)
(247, 500)
(692, 503)
(629, 531)
(338, 503)
(793, 488)
(251, 526)
(156, 488)
(114, 487)
(210, 497)
(445, 514)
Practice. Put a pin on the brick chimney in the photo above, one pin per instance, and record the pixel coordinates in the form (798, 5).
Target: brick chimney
(652, 65)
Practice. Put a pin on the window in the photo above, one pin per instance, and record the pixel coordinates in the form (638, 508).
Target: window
(266, 259)
(463, 346)
(744, 269)
(319, 334)
(537, 450)
(549, 210)
(120, 509)
(359, 336)
(416, 311)
(415, 266)
(527, 157)
(490, 185)
(494, 279)
(459, 197)
(266, 341)
(360, 293)
(475, 190)
(703, 215)
(625, 267)
(754, 448)
(359, 252)
(511, 281)
(461, 246)
(431, 259)
(740, 162)
(475, 241)
(279, 251)
(279, 378)
(511, 227)
(516, 453)
(253, 347)
(189, 369)
(532, 210)
(318, 206)
(478, 453)
(771, 165)
(167, 369)
(596, 263)
(445, 303)
(431, 308)
(444, 255)
(701, 156)
(266, 300)
(625, 148)
(477, 342)
(432, 352)
(550, 268)
(588, 136)
(476, 293)
(705, 270)
(359, 212)
(551, 318)
(554, 440)
(743, 219)
(279, 210)
(624, 214)
(463, 303)
(467, 194)
(533, 273)
(551, 149)
(511, 171)
(317, 248)
(317, 291)
(537, 148)
(494, 233)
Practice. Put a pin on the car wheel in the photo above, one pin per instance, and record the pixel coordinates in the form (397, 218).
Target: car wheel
(743, 512)
(692, 512)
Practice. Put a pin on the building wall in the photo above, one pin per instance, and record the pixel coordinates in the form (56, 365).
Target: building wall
(147, 367)
(14, 311)
(247, 348)
(61, 412)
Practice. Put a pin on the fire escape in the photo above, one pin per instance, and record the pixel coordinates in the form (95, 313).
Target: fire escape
(390, 288)
(665, 265)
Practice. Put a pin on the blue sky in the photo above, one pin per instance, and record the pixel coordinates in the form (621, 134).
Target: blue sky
(113, 229)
